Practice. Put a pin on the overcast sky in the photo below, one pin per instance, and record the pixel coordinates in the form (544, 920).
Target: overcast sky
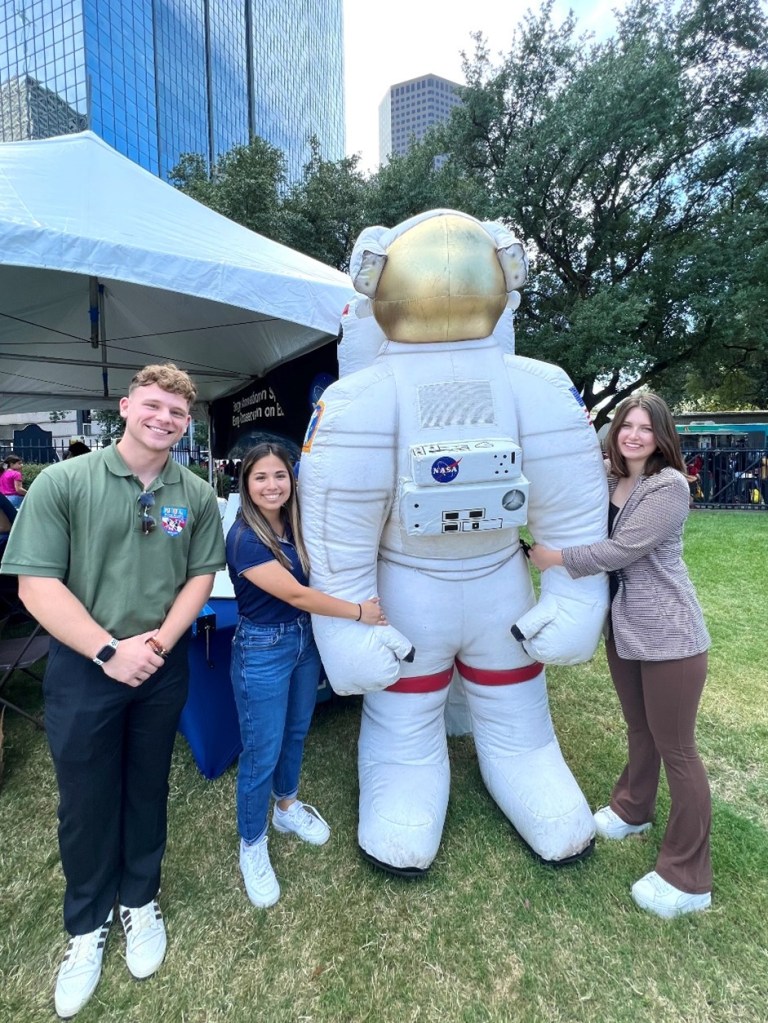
(400, 39)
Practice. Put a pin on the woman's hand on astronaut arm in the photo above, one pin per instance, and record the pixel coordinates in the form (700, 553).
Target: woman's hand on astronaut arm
(275, 579)
(544, 557)
(372, 613)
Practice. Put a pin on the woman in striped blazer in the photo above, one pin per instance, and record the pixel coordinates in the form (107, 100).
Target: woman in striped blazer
(656, 644)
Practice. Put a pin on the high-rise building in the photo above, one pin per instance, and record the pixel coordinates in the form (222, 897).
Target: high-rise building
(158, 78)
(30, 111)
(410, 108)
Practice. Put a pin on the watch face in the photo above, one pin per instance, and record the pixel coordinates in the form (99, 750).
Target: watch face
(106, 652)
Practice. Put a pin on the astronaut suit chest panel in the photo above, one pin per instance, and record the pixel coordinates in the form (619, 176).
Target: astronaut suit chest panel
(460, 487)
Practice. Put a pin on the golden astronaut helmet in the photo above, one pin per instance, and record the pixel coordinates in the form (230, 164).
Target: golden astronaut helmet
(440, 276)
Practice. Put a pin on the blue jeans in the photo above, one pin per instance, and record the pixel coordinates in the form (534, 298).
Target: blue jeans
(275, 674)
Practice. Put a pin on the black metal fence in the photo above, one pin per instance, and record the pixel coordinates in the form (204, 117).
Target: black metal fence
(56, 449)
(734, 478)
(729, 477)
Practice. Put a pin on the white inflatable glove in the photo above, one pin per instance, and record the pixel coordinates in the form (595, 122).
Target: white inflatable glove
(357, 658)
(563, 628)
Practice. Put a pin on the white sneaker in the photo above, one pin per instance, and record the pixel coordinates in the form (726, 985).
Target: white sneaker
(145, 940)
(609, 825)
(302, 820)
(260, 881)
(658, 896)
(80, 970)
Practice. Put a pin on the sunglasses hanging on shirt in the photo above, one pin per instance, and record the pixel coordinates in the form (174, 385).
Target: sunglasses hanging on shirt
(146, 500)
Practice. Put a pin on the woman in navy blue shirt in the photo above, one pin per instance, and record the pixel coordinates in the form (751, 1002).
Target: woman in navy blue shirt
(275, 663)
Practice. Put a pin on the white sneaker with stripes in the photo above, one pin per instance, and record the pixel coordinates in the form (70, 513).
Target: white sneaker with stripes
(80, 970)
(145, 940)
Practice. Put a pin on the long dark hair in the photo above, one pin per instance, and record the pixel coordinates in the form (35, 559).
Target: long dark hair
(289, 513)
(667, 451)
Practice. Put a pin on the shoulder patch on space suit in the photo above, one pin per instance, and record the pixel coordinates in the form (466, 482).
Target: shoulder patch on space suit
(575, 392)
(314, 422)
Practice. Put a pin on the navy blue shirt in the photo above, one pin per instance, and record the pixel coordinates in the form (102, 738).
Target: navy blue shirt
(244, 551)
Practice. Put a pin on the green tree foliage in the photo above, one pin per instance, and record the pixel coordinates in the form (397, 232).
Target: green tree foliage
(320, 215)
(635, 170)
(324, 212)
(424, 178)
(110, 421)
(246, 184)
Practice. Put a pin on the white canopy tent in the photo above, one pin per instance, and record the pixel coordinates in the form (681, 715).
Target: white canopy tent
(104, 268)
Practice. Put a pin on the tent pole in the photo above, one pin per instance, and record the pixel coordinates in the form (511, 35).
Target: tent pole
(103, 343)
(210, 442)
(93, 309)
(96, 314)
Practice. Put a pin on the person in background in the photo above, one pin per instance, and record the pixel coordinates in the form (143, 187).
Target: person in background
(116, 555)
(275, 663)
(11, 483)
(7, 516)
(77, 447)
(656, 648)
(693, 471)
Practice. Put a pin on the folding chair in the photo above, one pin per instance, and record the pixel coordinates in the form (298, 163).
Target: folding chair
(18, 652)
(9, 591)
(22, 653)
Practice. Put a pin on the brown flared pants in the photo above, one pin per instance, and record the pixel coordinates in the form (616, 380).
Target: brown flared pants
(660, 700)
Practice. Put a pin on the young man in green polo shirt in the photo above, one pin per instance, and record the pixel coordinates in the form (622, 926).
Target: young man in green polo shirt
(116, 554)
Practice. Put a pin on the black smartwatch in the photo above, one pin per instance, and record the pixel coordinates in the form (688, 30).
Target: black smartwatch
(106, 652)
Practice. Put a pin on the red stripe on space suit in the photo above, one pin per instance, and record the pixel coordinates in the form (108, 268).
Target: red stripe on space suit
(505, 677)
(480, 676)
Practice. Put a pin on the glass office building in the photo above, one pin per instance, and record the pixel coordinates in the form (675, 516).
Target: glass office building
(158, 78)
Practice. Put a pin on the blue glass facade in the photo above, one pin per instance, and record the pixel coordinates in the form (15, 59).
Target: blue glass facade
(158, 78)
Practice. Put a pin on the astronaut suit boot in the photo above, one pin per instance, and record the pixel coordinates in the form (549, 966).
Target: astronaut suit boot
(417, 473)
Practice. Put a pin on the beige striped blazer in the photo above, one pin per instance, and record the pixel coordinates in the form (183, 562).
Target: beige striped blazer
(655, 615)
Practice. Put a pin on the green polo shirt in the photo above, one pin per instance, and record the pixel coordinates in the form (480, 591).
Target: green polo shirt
(81, 523)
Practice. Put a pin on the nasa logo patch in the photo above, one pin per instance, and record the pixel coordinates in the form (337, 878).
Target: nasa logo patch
(445, 469)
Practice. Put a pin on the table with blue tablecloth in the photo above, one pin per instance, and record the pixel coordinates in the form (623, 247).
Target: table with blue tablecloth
(209, 719)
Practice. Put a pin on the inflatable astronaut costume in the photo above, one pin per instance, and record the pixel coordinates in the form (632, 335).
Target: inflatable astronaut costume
(417, 473)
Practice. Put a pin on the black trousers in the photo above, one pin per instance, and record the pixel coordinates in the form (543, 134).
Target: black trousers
(111, 747)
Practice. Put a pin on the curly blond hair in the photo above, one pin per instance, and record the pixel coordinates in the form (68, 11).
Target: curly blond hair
(169, 377)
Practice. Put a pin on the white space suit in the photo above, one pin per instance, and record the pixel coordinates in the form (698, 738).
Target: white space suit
(416, 475)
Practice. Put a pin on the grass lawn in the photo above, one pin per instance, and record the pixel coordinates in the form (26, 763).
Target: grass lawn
(489, 935)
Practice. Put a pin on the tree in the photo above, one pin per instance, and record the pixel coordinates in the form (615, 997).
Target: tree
(320, 215)
(634, 170)
(424, 178)
(110, 421)
(324, 212)
(246, 184)
(736, 375)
